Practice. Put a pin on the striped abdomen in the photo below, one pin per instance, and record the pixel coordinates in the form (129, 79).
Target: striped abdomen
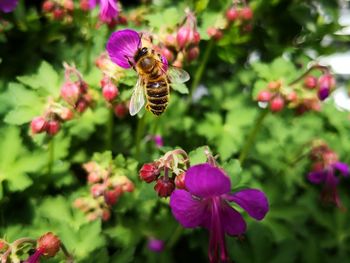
(157, 93)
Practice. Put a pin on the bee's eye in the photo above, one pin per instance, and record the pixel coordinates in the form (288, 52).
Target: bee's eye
(144, 50)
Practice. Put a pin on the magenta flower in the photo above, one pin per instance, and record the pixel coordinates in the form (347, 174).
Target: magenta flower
(326, 176)
(155, 245)
(122, 47)
(158, 140)
(206, 204)
(108, 9)
(7, 6)
(35, 258)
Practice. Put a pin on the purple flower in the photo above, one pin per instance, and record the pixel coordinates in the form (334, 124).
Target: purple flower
(155, 245)
(206, 204)
(122, 46)
(108, 9)
(7, 6)
(158, 140)
(327, 177)
(35, 258)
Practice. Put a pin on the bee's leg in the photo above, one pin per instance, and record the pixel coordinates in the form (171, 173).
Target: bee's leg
(130, 63)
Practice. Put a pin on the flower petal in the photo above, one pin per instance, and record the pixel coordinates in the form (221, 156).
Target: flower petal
(232, 221)
(122, 45)
(188, 211)
(343, 168)
(93, 3)
(108, 10)
(204, 180)
(251, 200)
(317, 177)
(8, 5)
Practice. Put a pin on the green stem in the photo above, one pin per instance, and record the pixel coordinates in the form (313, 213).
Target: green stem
(251, 137)
(139, 133)
(88, 44)
(69, 257)
(199, 73)
(109, 132)
(51, 151)
(175, 237)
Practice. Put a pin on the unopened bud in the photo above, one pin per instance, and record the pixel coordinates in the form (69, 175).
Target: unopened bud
(264, 96)
(110, 92)
(310, 82)
(232, 14)
(49, 244)
(70, 92)
(192, 53)
(164, 186)
(180, 180)
(53, 127)
(149, 172)
(277, 104)
(246, 13)
(38, 125)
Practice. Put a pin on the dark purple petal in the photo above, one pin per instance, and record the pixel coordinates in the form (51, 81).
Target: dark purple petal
(35, 258)
(323, 92)
(343, 168)
(204, 180)
(317, 177)
(187, 210)
(329, 192)
(8, 5)
(232, 221)
(108, 10)
(251, 200)
(122, 45)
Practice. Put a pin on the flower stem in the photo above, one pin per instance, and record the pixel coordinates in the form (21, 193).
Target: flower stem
(139, 133)
(200, 69)
(69, 257)
(109, 130)
(251, 137)
(51, 155)
(313, 67)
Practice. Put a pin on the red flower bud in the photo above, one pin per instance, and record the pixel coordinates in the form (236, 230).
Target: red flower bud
(70, 92)
(214, 33)
(58, 13)
(196, 38)
(111, 196)
(97, 190)
(310, 82)
(149, 172)
(53, 127)
(180, 181)
(264, 96)
(168, 54)
(84, 5)
(81, 106)
(164, 186)
(120, 110)
(48, 6)
(246, 13)
(110, 92)
(66, 114)
(192, 53)
(232, 14)
(277, 104)
(49, 244)
(38, 125)
(292, 96)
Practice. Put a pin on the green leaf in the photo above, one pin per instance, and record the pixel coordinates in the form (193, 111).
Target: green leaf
(198, 155)
(181, 88)
(21, 115)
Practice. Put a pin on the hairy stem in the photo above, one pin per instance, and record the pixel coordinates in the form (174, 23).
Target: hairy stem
(251, 137)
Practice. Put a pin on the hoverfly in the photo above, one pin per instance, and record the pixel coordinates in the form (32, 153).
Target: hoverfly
(155, 79)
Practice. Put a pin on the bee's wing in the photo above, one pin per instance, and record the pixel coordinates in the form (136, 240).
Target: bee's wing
(177, 75)
(137, 99)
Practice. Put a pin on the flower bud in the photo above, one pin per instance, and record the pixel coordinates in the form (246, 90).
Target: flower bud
(53, 127)
(310, 82)
(128, 187)
(111, 196)
(38, 125)
(232, 14)
(94, 177)
(184, 36)
(48, 6)
(292, 96)
(84, 5)
(264, 96)
(70, 92)
(81, 106)
(58, 13)
(168, 54)
(106, 215)
(110, 92)
(323, 92)
(155, 245)
(49, 244)
(97, 190)
(246, 13)
(192, 53)
(68, 5)
(274, 85)
(66, 114)
(180, 181)
(149, 172)
(196, 38)
(325, 84)
(214, 33)
(277, 104)
(164, 186)
(170, 40)
(120, 110)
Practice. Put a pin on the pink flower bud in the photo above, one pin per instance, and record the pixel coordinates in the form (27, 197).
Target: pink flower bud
(196, 38)
(310, 82)
(232, 14)
(264, 96)
(81, 106)
(70, 92)
(53, 127)
(97, 190)
(58, 13)
(180, 180)
(214, 33)
(66, 114)
(277, 104)
(164, 186)
(292, 96)
(93, 178)
(38, 125)
(184, 36)
(111, 196)
(170, 40)
(246, 13)
(192, 53)
(110, 92)
(168, 54)
(149, 172)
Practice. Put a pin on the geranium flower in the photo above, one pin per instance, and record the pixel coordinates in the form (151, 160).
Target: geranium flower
(206, 204)
(325, 174)
(122, 46)
(108, 9)
(7, 6)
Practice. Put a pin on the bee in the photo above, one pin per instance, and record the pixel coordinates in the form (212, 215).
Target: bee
(154, 80)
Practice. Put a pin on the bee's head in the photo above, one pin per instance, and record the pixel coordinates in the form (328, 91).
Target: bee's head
(140, 53)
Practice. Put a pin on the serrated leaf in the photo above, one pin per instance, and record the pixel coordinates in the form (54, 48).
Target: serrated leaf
(198, 155)
(181, 88)
(21, 115)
